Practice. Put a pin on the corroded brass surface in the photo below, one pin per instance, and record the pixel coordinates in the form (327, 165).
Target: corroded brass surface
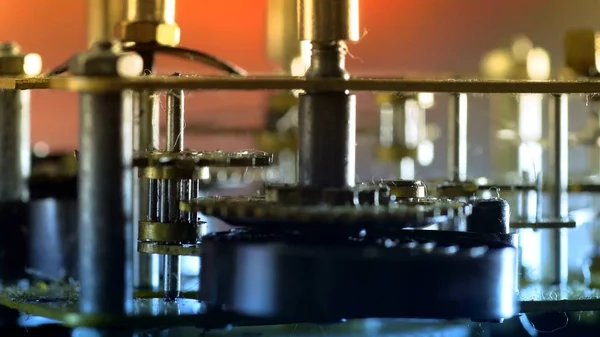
(406, 188)
(275, 142)
(328, 21)
(168, 232)
(282, 31)
(391, 98)
(103, 16)
(168, 172)
(282, 102)
(581, 51)
(150, 21)
(452, 190)
(183, 250)
(395, 153)
(328, 84)
(24, 83)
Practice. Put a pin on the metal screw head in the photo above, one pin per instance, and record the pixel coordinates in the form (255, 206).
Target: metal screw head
(15, 63)
(106, 58)
(9, 48)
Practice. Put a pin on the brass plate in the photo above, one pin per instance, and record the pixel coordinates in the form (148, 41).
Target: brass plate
(24, 83)
(183, 249)
(168, 232)
(300, 83)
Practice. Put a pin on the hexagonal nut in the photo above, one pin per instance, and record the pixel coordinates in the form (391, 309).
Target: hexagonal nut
(14, 63)
(582, 48)
(106, 59)
(149, 32)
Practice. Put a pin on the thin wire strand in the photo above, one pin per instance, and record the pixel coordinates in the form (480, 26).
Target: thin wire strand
(179, 52)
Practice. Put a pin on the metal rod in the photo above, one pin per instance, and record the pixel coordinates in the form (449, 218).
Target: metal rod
(15, 129)
(105, 203)
(103, 17)
(172, 192)
(175, 119)
(15, 149)
(146, 138)
(554, 242)
(327, 123)
(457, 137)
(327, 154)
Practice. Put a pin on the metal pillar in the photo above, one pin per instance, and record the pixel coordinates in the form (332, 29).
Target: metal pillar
(105, 184)
(173, 190)
(554, 241)
(327, 120)
(457, 138)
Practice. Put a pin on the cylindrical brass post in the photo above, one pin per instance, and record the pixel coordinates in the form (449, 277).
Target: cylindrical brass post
(327, 21)
(103, 18)
(282, 31)
(159, 11)
(150, 21)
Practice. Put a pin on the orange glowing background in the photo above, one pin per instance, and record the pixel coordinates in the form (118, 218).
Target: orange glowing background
(400, 35)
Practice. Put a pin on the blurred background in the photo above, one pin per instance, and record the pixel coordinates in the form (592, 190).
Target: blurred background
(422, 37)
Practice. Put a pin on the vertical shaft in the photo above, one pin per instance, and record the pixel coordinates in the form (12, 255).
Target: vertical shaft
(175, 120)
(105, 209)
(103, 17)
(146, 138)
(327, 120)
(105, 183)
(327, 144)
(457, 137)
(554, 241)
(15, 142)
(174, 188)
(15, 149)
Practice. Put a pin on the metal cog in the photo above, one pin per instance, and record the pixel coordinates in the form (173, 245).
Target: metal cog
(190, 159)
(257, 211)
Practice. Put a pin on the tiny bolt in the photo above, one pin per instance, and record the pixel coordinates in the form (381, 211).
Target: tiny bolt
(8, 47)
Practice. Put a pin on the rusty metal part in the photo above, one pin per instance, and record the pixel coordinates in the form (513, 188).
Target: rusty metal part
(196, 159)
(24, 83)
(457, 189)
(282, 31)
(169, 172)
(313, 84)
(282, 102)
(182, 250)
(581, 51)
(103, 16)
(150, 21)
(393, 97)
(394, 153)
(275, 142)
(402, 189)
(328, 21)
(256, 210)
(175, 233)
